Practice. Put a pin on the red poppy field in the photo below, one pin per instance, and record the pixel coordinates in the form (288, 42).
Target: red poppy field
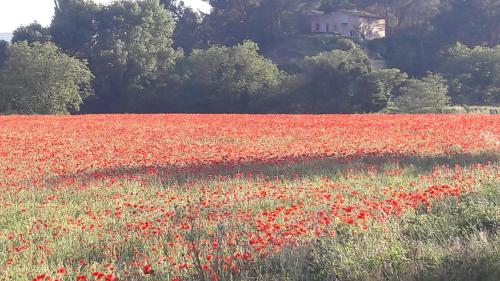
(244, 197)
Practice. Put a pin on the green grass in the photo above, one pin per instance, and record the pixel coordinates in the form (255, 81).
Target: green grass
(456, 239)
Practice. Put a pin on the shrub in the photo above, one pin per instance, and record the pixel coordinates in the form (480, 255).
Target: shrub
(41, 79)
(428, 95)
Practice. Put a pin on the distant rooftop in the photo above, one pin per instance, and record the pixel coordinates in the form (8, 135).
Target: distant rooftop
(357, 13)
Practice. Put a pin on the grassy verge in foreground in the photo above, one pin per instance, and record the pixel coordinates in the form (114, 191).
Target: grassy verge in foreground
(366, 219)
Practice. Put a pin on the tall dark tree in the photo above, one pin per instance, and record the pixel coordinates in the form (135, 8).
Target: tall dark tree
(39, 78)
(176, 7)
(4, 49)
(341, 82)
(228, 24)
(332, 5)
(187, 34)
(33, 32)
(273, 20)
(4, 96)
(127, 43)
(473, 74)
(262, 21)
(418, 47)
(224, 79)
(414, 52)
(428, 95)
(73, 27)
(132, 50)
(402, 14)
(472, 22)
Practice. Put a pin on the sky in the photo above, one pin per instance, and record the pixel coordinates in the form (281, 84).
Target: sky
(14, 13)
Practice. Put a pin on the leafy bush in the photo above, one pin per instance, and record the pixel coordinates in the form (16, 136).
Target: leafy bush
(223, 79)
(33, 32)
(40, 79)
(340, 82)
(473, 74)
(428, 95)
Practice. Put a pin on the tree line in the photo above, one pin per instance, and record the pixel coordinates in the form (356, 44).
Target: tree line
(161, 56)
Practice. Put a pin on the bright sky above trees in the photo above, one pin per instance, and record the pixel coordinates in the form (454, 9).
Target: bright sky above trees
(14, 13)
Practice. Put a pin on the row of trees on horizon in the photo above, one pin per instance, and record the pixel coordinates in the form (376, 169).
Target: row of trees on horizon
(161, 56)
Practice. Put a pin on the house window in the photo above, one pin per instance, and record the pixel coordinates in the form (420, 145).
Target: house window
(352, 33)
(334, 27)
(327, 27)
(344, 19)
(317, 27)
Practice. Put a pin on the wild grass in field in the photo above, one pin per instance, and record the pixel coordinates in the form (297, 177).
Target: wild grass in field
(262, 208)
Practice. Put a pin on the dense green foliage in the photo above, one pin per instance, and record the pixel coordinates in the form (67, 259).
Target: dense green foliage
(473, 74)
(4, 48)
(340, 82)
(223, 79)
(32, 33)
(141, 54)
(418, 47)
(429, 94)
(262, 21)
(133, 54)
(473, 22)
(188, 30)
(333, 5)
(73, 27)
(39, 78)
(128, 45)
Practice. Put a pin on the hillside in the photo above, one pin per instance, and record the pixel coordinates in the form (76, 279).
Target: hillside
(290, 53)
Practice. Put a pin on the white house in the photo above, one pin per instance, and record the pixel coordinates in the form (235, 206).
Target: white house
(351, 23)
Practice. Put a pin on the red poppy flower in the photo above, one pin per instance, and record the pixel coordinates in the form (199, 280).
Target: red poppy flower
(62, 270)
(147, 269)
